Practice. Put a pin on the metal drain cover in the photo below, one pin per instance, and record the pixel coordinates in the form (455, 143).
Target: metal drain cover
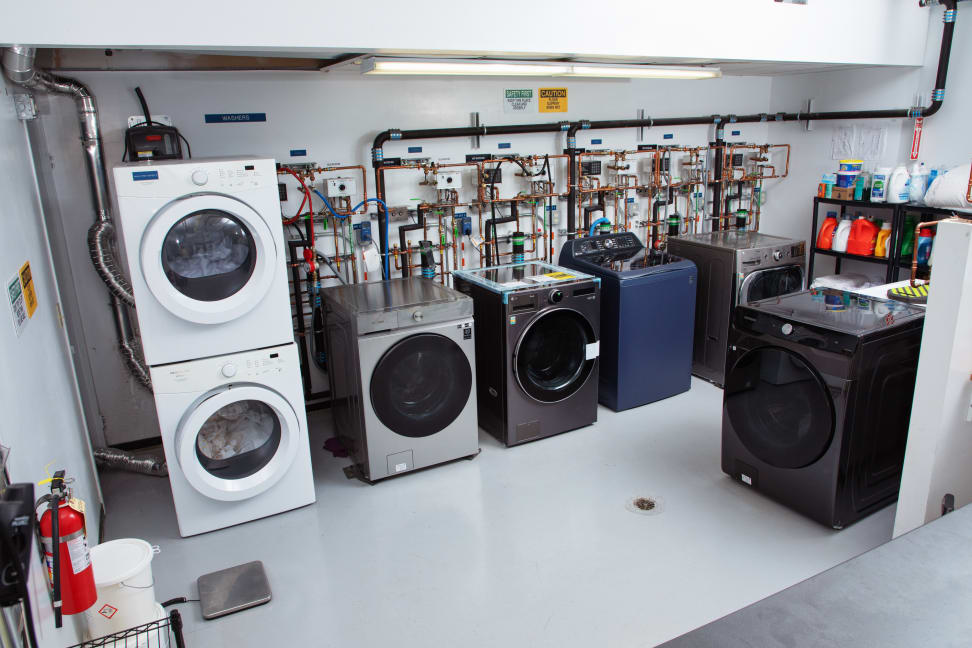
(645, 505)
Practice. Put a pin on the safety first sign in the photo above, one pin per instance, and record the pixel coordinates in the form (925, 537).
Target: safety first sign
(553, 100)
(22, 297)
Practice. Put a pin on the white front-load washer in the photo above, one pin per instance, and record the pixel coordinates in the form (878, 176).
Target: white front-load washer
(206, 255)
(235, 438)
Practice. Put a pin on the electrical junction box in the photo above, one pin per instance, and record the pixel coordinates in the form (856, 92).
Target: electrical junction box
(493, 175)
(448, 180)
(340, 187)
(363, 230)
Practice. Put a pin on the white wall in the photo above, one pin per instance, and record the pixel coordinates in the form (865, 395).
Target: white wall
(875, 32)
(940, 438)
(42, 422)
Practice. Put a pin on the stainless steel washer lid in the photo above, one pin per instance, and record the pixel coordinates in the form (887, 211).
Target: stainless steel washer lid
(736, 240)
(398, 303)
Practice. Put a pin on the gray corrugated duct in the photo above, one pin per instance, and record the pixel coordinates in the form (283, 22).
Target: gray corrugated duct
(18, 63)
(121, 460)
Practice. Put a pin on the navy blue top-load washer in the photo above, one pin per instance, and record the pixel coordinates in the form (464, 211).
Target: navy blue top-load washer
(647, 317)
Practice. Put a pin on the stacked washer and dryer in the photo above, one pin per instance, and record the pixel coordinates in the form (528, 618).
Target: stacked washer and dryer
(206, 256)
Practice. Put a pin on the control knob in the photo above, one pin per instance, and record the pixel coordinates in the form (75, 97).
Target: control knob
(556, 296)
(228, 370)
(200, 177)
(786, 329)
(417, 316)
(777, 255)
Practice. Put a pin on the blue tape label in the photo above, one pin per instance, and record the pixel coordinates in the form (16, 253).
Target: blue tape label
(668, 136)
(551, 207)
(595, 141)
(736, 133)
(145, 175)
(630, 200)
(504, 145)
(298, 152)
(235, 118)
(414, 149)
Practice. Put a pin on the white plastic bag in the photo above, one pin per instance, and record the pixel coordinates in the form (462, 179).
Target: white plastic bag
(948, 191)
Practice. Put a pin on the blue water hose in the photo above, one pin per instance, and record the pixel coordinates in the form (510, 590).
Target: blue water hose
(596, 223)
(384, 269)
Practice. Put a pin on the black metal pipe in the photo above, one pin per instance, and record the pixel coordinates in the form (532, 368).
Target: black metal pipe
(406, 255)
(492, 249)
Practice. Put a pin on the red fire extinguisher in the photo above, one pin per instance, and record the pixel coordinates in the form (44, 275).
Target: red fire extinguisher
(69, 568)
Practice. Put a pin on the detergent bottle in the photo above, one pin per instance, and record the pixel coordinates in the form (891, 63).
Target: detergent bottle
(879, 184)
(883, 238)
(825, 239)
(899, 185)
(925, 242)
(841, 234)
(908, 237)
(863, 236)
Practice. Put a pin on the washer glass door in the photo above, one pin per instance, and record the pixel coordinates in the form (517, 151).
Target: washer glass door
(208, 258)
(551, 360)
(771, 282)
(237, 442)
(779, 407)
(421, 385)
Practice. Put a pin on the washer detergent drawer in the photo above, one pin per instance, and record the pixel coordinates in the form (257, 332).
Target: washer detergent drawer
(237, 441)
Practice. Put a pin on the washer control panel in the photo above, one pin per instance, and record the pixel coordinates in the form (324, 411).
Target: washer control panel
(207, 373)
(593, 244)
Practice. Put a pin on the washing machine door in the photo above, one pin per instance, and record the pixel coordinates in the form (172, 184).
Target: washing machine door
(555, 355)
(771, 282)
(237, 441)
(779, 407)
(421, 385)
(208, 258)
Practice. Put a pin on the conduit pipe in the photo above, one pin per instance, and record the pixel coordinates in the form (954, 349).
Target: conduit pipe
(18, 63)
(571, 128)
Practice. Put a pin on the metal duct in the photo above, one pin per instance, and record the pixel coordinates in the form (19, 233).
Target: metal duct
(18, 63)
(121, 460)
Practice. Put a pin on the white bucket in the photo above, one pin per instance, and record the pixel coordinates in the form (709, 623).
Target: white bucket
(126, 589)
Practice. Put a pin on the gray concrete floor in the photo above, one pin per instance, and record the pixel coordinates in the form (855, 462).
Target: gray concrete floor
(534, 545)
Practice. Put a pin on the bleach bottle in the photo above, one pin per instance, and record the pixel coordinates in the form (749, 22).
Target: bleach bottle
(842, 233)
(899, 185)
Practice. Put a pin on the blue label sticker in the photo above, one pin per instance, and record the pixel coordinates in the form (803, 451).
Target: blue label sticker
(298, 152)
(595, 141)
(736, 133)
(551, 207)
(630, 200)
(235, 118)
(668, 136)
(145, 175)
(504, 145)
(460, 214)
(414, 149)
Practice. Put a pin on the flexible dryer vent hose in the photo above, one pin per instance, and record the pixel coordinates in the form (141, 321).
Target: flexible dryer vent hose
(121, 460)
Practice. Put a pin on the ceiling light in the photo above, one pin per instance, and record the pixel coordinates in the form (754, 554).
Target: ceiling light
(644, 72)
(487, 67)
(461, 68)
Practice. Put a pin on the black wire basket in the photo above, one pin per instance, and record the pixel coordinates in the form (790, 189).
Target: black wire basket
(164, 633)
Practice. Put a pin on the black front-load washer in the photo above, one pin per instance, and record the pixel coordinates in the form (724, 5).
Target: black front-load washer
(818, 399)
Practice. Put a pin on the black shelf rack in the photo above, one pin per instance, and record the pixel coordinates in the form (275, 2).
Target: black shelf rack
(897, 214)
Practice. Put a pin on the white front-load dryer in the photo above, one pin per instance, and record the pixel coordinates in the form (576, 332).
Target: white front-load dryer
(206, 256)
(235, 438)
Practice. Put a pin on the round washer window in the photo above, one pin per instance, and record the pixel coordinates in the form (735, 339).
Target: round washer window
(779, 408)
(208, 255)
(420, 385)
(238, 439)
(551, 359)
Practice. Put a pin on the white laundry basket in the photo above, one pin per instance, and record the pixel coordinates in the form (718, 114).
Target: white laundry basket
(126, 589)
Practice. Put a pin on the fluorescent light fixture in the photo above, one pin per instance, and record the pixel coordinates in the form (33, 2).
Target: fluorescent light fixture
(448, 67)
(486, 67)
(643, 71)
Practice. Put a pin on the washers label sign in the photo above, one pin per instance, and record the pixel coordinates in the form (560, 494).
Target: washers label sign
(553, 100)
(518, 100)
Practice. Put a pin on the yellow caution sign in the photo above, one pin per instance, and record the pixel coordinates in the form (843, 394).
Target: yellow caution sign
(27, 285)
(559, 275)
(553, 100)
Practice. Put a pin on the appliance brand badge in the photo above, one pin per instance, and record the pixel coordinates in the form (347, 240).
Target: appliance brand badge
(138, 176)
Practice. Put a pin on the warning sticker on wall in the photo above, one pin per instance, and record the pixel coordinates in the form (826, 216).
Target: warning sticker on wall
(27, 283)
(553, 100)
(518, 100)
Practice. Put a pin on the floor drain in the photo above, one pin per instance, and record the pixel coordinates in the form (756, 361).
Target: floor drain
(645, 505)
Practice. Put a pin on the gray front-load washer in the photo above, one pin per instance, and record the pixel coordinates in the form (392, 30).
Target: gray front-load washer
(401, 361)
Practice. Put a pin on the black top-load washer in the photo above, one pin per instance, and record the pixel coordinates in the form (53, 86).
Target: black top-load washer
(537, 347)
(818, 400)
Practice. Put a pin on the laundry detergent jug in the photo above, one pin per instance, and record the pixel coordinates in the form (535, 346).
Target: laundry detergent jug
(883, 243)
(841, 234)
(863, 237)
(899, 185)
(825, 239)
(908, 237)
